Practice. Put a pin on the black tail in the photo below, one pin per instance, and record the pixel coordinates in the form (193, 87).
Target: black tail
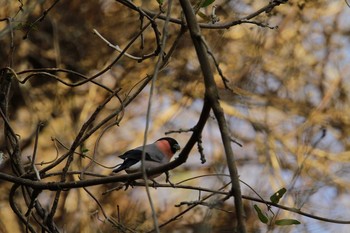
(126, 164)
(120, 168)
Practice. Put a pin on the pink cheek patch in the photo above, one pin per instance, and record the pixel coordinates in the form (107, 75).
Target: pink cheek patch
(164, 147)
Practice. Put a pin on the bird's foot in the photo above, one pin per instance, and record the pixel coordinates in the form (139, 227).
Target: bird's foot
(167, 179)
(129, 183)
(154, 183)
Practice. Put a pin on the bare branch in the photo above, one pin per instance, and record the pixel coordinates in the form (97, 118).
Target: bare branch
(211, 95)
(41, 18)
(116, 47)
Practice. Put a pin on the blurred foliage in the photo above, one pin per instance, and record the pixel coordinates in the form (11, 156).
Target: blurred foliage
(289, 106)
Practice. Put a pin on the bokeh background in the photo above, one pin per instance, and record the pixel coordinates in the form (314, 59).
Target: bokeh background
(288, 109)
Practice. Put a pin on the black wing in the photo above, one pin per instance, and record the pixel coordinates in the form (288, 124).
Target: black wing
(126, 164)
(131, 157)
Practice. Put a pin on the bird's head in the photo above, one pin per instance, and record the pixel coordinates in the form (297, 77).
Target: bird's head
(174, 145)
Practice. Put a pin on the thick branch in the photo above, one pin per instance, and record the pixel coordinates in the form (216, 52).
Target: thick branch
(212, 96)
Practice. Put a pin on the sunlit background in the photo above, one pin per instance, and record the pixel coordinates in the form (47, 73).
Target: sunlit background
(288, 111)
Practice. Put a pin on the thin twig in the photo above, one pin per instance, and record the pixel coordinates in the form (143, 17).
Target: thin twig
(347, 3)
(176, 217)
(41, 18)
(148, 116)
(92, 159)
(116, 47)
(179, 131)
(201, 150)
(15, 208)
(34, 150)
(247, 19)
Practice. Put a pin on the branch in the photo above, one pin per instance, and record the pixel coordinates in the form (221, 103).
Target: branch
(148, 116)
(247, 19)
(188, 209)
(16, 210)
(116, 47)
(41, 18)
(255, 199)
(211, 94)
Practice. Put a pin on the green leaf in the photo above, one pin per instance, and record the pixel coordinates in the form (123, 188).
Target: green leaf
(84, 150)
(287, 222)
(25, 26)
(263, 218)
(160, 2)
(275, 198)
(206, 3)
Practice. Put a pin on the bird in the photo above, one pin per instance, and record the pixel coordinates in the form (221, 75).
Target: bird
(158, 153)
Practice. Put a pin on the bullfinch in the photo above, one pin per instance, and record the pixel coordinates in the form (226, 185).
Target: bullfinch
(158, 153)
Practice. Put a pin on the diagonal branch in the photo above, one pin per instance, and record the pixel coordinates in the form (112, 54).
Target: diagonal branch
(211, 94)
